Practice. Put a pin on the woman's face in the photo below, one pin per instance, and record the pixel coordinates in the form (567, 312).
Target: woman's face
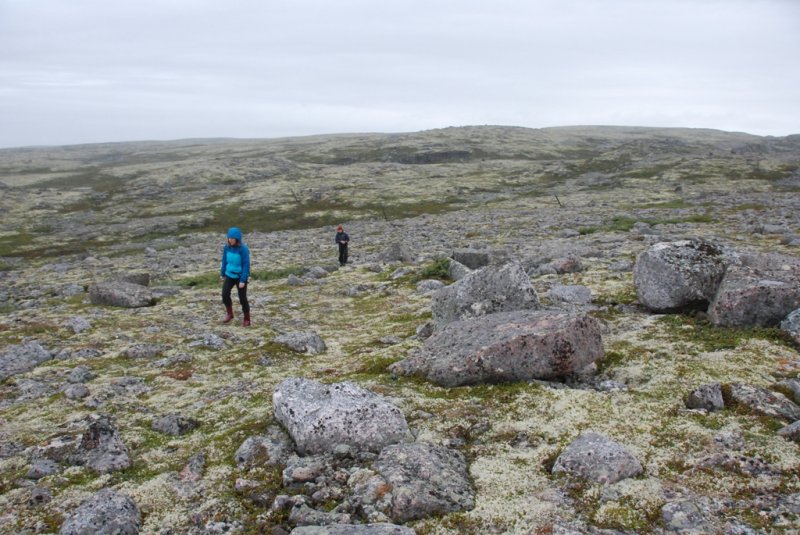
(231, 241)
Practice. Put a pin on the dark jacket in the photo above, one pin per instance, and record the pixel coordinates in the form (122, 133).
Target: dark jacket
(342, 237)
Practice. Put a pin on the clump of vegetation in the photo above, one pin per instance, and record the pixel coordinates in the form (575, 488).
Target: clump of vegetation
(436, 269)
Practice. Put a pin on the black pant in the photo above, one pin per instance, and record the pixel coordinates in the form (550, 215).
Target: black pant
(342, 253)
(227, 286)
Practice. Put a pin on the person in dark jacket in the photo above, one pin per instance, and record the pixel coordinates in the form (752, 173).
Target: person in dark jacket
(235, 271)
(342, 239)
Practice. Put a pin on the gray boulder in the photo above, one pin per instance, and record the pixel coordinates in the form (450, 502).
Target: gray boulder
(763, 401)
(144, 351)
(507, 346)
(685, 516)
(791, 432)
(791, 325)
(106, 513)
(670, 276)
(472, 258)
(397, 252)
(598, 458)
(174, 424)
(77, 324)
(264, 450)
(76, 391)
(319, 417)
(81, 374)
(20, 358)
(429, 285)
(353, 529)
(482, 292)
(101, 448)
(303, 342)
(571, 294)
(792, 389)
(457, 271)
(746, 298)
(425, 480)
(708, 397)
(121, 294)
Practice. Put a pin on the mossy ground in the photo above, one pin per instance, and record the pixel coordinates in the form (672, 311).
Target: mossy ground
(517, 197)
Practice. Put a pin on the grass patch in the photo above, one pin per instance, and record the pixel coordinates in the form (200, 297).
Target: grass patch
(437, 269)
(708, 337)
(212, 280)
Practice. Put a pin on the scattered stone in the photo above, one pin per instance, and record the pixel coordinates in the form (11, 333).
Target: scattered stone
(42, 468)
(621, 266)
(210, 341)
(193, 471)
(567, 264)
(472, 258)
(354, 529)
(20, 358)
(265, 450)
(791, 432)
(121, 294)
(738, 464)
(671, 276)
(390, 340)
(144, 351)
(424, 480)
(316, 273)
(101, 448)
(685, 516)
(397, 252)
(597, 458)
(429, 285)
(106, 513)
(302, 342)
(319, 417)
(301, 470)
(572, 294)
(77, 324)
(507, 346)
(294, 280)
(303, 515)
(175, 424)
(791, 325)
(75, 392)
(763, 401)
(792, 388)
(39, 496)
(483, 292)
(81, 374)
(708, 397)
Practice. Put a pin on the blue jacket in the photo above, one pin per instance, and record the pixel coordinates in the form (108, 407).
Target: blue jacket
(236, 262)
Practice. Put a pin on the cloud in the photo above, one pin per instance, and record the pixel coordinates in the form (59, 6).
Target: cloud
(91, 70)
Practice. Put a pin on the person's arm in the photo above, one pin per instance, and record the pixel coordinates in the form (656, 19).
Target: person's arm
(223, 263)
(245, 274)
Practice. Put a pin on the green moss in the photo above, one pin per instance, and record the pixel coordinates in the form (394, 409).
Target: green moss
(708, 337)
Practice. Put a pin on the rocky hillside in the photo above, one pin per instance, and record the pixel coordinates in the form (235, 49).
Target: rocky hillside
(159, 417)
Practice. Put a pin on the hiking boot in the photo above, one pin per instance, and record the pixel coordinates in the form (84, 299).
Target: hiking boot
(228, 315)
(246, 320)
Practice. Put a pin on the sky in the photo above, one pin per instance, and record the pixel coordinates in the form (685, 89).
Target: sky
(86, 71)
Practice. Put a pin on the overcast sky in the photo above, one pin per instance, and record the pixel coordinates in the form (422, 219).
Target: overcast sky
(82, 71)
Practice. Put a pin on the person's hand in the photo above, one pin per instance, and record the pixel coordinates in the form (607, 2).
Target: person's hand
(242, 284)
(222, 277)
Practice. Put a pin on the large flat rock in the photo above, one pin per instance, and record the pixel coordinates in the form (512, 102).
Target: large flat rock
(507, 346)
(320, 417)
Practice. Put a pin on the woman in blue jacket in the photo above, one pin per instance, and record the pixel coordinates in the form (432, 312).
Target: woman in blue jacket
(235, 271)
